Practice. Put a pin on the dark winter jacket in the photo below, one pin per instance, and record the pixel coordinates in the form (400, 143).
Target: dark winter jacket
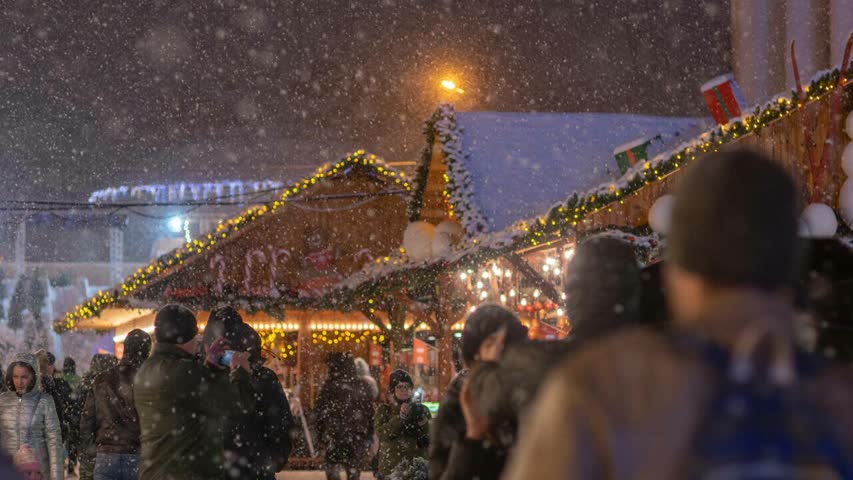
(345, 413)
(109, 418)
(257, 443)
(473, 459)
(448, 427)
(401, 438)
(59, 389)
(182, 405)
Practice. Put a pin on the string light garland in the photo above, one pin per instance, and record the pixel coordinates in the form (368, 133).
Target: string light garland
(164, 193)
(336, 337)
(268, 342)
(176, 258)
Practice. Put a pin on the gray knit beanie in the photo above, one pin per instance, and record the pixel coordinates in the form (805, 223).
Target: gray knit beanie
(734, 221)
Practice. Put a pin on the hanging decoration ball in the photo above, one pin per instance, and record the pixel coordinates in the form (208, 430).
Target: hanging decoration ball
(849, 125)
(803, 228)
(845, 202)
(450, 228)
(447, 234)
(847, 159)
(417, 240)
(660, 214)
(441, 245)
(821, 220)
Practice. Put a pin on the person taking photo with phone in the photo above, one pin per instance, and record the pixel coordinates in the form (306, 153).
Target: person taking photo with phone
(401, 424)
(183, 401)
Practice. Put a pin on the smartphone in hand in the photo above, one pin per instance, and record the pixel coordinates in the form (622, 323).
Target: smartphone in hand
(227, 357)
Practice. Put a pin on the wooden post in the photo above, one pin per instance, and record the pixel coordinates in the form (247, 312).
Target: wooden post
(443, 331)
(303, 355)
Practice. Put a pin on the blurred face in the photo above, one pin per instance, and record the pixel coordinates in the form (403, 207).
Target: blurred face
(403, 391)
(51, 369)
(22, 377)
(687, 293)
(493, 347)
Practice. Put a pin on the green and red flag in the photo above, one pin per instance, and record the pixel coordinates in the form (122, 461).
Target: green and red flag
(631, 153)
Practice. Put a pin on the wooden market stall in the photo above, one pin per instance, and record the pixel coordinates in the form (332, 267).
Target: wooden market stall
(274, 263)
(483, 174)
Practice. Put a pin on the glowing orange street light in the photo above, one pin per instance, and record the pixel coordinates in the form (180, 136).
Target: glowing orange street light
(451, 85)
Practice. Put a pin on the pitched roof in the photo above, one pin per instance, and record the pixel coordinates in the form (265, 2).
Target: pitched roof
(509, 167)
(171, 262)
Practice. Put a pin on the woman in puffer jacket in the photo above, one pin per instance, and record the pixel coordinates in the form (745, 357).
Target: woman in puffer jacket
(28, 417)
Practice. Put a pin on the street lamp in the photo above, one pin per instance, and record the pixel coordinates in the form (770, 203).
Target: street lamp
(175, 224)
(448, 84)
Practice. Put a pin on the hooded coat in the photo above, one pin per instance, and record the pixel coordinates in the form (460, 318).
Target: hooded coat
(45, 436)
(345, 414)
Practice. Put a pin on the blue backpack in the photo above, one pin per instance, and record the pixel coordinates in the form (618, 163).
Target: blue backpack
(759, 425)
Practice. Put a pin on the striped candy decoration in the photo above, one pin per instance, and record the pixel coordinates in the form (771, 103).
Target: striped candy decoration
(724, 98)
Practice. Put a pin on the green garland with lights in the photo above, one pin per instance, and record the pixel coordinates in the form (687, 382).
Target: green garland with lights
(568, 214)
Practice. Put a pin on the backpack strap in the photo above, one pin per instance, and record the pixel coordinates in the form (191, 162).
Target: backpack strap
(31, 422)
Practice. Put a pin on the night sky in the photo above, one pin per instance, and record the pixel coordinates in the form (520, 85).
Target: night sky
(94, 94)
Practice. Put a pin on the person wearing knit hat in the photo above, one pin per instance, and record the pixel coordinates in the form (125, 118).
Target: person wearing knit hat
(729, 234)
(401, 425)
(182, 400)
(175, 324)
(223, 322)
(730, 264)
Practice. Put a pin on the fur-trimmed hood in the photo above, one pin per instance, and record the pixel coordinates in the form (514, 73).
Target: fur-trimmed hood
(30, 360)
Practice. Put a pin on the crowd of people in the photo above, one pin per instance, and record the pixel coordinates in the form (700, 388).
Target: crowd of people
(723, 390)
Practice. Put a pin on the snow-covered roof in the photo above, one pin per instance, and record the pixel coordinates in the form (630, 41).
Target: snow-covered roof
(519, 165)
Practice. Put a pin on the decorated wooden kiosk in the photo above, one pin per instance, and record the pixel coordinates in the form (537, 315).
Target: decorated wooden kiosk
(274, 263)
(483, 183)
